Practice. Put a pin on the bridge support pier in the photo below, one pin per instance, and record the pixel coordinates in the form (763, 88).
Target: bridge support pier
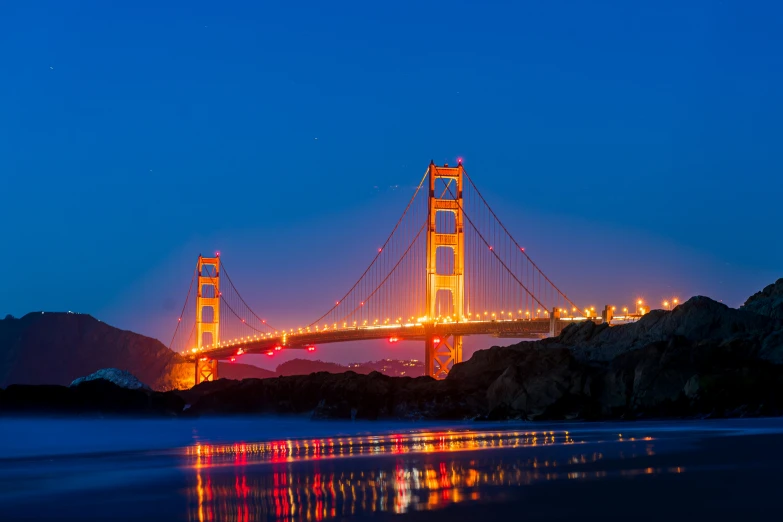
(206, 370)
(441, 353)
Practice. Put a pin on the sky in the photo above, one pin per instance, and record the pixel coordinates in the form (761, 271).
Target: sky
(632, 147)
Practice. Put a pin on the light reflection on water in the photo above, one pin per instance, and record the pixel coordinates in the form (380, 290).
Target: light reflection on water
(313, 480)
(291, 450)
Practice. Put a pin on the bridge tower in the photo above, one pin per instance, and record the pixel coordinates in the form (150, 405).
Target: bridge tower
(441, 352)
(207, 298)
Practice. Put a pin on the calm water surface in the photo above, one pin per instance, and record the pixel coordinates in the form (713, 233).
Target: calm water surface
(283, 469)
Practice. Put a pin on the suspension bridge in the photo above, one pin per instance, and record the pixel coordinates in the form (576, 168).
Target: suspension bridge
(449, 268)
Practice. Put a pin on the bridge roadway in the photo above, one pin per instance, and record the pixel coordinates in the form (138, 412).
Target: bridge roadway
(521, 328)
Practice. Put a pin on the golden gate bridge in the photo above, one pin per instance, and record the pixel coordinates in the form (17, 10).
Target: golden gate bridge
(449, 268)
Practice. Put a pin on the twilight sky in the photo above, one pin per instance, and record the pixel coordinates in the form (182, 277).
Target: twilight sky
(634, 148)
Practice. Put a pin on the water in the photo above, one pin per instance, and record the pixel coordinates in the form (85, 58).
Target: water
(295, 469)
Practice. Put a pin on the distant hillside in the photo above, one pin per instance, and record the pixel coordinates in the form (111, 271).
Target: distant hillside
(391, 367)
(56, 348)
(240, 371)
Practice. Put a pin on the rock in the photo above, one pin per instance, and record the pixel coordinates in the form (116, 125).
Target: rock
(338, 396)
(96, 397)
(121, 378)
(691, 388)
(538, 382)
(698, 319)
(772, 348)
(767, 302)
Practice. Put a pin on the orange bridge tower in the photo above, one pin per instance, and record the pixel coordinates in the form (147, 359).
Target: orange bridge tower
(441, 352)
(207, 300)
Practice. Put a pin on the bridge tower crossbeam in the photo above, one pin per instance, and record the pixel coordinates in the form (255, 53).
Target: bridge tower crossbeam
(440, 354)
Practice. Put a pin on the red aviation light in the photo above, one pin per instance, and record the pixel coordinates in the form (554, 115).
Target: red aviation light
(393, 339)
(233, 359)
(311, 348)
(278, 348)
(436, 340)
(270, 353)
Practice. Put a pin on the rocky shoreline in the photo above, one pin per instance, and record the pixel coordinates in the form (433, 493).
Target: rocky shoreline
(702, 359)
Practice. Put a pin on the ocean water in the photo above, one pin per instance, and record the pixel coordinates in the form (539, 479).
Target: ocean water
(245, 469)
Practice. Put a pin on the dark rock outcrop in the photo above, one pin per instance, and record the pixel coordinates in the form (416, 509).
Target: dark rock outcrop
(345, 396)
(698, 319)
(668, 363)
(768, 302)
(91, 398)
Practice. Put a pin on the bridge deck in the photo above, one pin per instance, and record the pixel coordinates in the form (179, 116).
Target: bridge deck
(526, 329)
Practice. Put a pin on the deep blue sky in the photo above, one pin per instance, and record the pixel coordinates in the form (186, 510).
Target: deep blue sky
(633, 147)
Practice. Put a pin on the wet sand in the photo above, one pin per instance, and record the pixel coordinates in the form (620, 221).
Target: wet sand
(721, 470)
